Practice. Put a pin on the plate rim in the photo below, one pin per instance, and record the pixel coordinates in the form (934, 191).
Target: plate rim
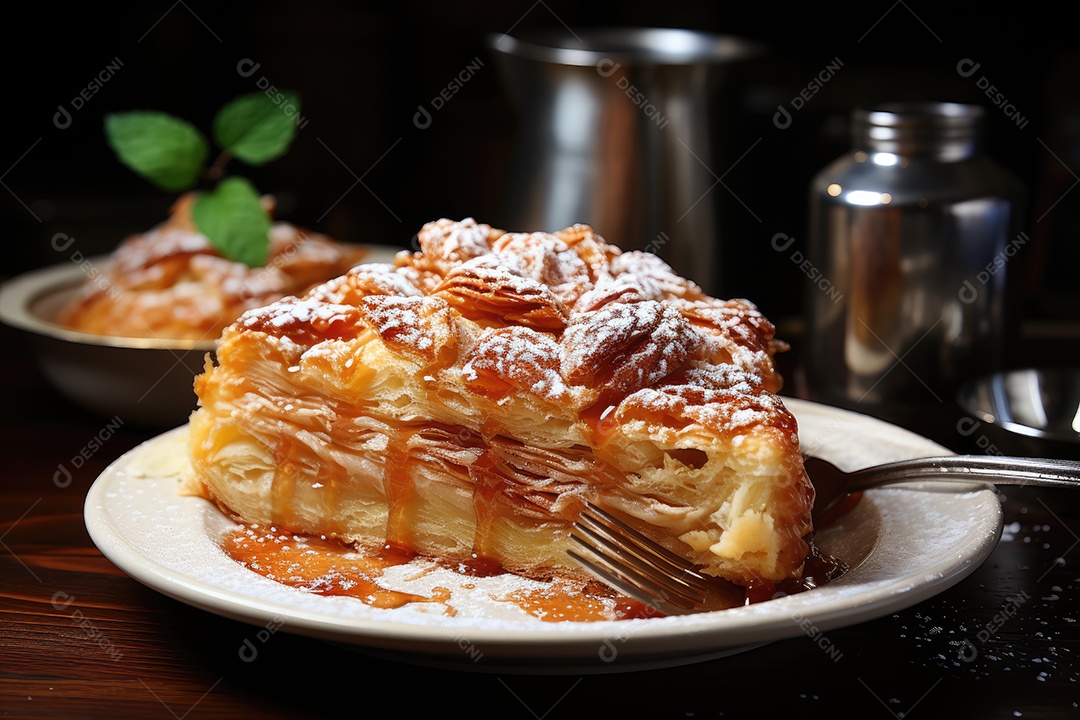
(562, 643)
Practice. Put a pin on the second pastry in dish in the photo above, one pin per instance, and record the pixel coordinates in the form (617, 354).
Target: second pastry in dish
(171, 283)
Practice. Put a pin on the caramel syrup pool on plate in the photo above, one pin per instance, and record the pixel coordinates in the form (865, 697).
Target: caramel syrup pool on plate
(328, 567)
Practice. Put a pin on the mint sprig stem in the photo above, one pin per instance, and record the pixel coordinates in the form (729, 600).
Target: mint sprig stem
(171, 153)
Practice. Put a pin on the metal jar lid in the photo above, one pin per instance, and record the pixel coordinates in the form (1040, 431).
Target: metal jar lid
(947, 130)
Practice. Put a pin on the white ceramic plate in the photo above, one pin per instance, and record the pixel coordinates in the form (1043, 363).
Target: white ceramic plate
(905, 544)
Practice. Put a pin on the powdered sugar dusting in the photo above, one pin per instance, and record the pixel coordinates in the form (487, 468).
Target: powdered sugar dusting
(636, 329)
(307, 311)
(626, 346)
(367, 279)
(304, 322)
(445, 243)
(608, 290)
(523, 357)
(291, 311)
(416, 326)
(547, 259)
(499, 273)
(657, 278)
(721, 397)
(489, 288)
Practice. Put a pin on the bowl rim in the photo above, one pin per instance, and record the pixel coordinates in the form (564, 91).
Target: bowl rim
(644, 46)
(965, 398)
(18, 294)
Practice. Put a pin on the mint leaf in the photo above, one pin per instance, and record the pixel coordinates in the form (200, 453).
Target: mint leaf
(234, 220)
(256, 129)
(166, 150)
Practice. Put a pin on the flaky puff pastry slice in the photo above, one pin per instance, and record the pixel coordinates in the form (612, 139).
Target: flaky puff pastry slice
(466, 400)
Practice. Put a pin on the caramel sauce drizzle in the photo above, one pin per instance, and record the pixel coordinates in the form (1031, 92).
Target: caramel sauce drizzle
(820, 568)
(323, 567)
(567, 602)
(284, 484)
(486, 493)
(399, 488)
(326, 567)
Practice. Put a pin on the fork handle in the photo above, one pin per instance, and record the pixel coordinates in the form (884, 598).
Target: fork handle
(996, 469)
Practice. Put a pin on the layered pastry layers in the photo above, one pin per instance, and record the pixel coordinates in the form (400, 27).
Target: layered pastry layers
(171, 283)
(464, 401)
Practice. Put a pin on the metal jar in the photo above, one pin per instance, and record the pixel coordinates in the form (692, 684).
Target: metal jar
(913, 237)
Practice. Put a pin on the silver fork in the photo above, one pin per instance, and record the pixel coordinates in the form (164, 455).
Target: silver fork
(831, 484)
(624, 558)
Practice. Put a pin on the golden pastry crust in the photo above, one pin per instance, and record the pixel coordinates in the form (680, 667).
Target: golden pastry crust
(171, 283)
(465, 400)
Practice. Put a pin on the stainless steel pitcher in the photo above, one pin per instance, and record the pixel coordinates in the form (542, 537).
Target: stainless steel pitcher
(616, 131)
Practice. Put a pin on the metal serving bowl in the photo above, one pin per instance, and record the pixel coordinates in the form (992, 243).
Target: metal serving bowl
(144, 381)
(1034, 411)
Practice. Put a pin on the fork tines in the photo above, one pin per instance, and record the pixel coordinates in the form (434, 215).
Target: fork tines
(635, 564)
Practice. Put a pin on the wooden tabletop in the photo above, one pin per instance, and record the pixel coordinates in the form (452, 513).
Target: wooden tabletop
(79, 638)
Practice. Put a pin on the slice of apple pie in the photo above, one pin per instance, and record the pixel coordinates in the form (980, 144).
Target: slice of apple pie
(464, 401)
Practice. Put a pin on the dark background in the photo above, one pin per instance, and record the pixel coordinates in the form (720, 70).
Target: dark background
(363, 70)
(362, 171)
